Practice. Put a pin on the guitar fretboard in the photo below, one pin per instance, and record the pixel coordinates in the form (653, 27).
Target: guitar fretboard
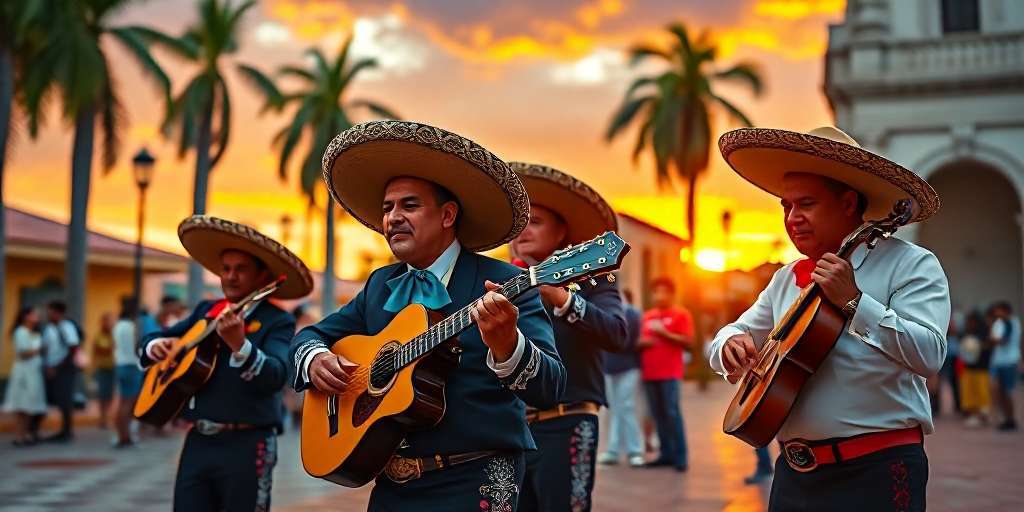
(453, 325)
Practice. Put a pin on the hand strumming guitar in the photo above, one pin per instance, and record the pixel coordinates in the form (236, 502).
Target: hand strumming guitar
(231, 329)
(160, 348)
(331, 373)
(496, 317)
(738, 354)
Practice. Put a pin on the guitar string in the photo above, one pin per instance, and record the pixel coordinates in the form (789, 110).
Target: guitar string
(386, 365)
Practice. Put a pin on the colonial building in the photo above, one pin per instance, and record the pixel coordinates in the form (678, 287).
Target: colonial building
(938, 86)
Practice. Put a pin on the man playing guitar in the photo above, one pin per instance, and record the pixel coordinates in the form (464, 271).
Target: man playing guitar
(854, 438)
(438, 198)
(231, 450)
(564, 210)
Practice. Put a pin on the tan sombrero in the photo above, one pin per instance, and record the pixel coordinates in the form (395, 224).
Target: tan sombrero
(206, 238)
(763, 156)
(361, 161)
(585, 212)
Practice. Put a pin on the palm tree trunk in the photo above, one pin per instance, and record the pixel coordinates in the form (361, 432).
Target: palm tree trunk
(199, 191)
(327, 291)
(691, 209)
(6, 100)
(81, 174)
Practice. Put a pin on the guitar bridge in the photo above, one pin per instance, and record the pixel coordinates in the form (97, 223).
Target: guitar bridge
(332, 415)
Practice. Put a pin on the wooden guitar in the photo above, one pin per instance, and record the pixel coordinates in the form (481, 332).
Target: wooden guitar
(796, 347)
(399, 383)
(170, 383)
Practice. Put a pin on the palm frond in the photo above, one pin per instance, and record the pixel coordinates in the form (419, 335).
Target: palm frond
(185, 47)
(296, 72)
(356, 68)
(745, 73)
(376, 108)
(112, 113)
(683, 45)
(223, 132)
(302, 117)
(733, 111)
(625, 115)
(272, 97)
(132, 40)
(641, 52)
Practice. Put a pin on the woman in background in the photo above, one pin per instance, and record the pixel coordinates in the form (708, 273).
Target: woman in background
(26, 392)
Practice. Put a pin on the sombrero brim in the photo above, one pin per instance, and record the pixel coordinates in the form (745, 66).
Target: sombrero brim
(206, 238)
(360, 162)
(763, 156)
(585, 212)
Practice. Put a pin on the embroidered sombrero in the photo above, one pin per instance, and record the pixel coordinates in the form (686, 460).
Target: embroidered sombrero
(763, 156)
(585, 212)
(206, 238)
(359, 163)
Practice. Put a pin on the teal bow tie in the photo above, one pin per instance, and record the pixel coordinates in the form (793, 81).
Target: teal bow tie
(416, 287)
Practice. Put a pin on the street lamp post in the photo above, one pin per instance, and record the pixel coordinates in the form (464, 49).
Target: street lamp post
(142, 167)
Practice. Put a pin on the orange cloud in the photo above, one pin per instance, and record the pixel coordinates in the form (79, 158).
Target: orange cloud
(796, 9)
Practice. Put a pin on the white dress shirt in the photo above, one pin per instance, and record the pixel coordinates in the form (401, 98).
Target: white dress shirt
(57, 348)
(874, 378)
(443, 268)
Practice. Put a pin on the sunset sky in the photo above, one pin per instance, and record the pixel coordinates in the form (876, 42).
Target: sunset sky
(529, 80)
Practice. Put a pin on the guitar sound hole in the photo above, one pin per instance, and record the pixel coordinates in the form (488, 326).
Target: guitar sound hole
(381, 372)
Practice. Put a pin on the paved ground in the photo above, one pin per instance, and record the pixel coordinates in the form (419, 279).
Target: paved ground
(971, 470)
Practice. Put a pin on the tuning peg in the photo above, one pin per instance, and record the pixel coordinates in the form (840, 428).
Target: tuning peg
(593, 282)
(573, 287)
(611, 278)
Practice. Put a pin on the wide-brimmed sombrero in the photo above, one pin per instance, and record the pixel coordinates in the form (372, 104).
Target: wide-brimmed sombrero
(585, 212)
(361, 161)
(763, 156)
(206, 238)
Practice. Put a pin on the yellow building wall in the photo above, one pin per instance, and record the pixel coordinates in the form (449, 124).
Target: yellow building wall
(105, 285)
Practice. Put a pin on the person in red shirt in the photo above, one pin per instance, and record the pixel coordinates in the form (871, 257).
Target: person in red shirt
(666, 331)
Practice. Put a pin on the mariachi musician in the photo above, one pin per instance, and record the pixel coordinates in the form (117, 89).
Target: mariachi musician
(438, 199)
(587, 322)
(854, 438)
(231, 449)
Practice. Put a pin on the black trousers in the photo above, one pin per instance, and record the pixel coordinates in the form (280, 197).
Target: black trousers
(491, 484)
(892, 480)
(560, 473)
(60, 393)
(230, 471)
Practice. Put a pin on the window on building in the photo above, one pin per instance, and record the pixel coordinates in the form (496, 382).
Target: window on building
(960, 16)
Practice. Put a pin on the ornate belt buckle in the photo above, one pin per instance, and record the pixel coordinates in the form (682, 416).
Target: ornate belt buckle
(208, 428)
(799, 456)
(401, 469)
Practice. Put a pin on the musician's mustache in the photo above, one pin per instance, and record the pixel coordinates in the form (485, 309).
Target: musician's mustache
(399, 231)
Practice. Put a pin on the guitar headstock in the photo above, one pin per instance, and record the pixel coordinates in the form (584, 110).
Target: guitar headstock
(871, 232)
(583, 261)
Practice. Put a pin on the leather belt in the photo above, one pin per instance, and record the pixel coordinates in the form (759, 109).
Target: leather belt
(403, 469)
(209, 428)
(804, 456)
(562, 410)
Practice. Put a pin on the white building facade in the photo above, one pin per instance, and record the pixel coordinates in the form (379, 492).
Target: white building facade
(938, 86)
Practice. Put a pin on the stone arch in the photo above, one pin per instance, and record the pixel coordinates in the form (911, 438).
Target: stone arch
(977, 233)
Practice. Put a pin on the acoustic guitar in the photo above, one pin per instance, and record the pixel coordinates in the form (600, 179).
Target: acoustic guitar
(399, 384)
(169, 384)
(796, 347)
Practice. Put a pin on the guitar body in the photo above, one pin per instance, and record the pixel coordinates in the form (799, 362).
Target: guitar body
(792, 353)
(169, 384)
(348, 439)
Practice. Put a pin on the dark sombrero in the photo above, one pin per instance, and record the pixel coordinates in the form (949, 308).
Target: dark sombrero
(206, 238)
(763, 156)
(585, 212)
(360, 162)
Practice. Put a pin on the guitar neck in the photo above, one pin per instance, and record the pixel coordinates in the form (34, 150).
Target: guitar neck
(456, 323)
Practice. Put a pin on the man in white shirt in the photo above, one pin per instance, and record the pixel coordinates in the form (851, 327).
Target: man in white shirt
(60, 341)
(1005, 358)
(854, 438)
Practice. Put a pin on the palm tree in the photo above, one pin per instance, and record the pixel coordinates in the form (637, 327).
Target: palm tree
(322, 113)
(673, 109)
(17, 25)
(71, 63)
(200, 116)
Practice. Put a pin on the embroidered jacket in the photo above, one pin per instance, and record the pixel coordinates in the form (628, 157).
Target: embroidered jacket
(484, 412)
(247, 391)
